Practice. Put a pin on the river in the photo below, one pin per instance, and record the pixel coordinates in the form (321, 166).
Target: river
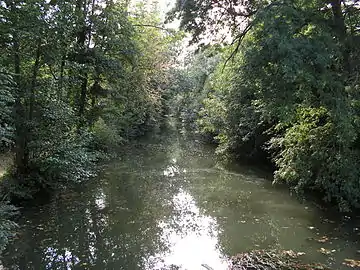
(167, 204)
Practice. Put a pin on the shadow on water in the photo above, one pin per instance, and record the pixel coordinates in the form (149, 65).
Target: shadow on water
(166, 204)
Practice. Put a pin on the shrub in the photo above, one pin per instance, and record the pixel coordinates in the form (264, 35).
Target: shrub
(7, 226)
(105, 137)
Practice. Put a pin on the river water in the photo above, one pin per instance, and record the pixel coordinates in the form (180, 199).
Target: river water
(167, 204)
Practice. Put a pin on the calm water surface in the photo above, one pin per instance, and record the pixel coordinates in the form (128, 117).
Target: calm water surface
(168, 205)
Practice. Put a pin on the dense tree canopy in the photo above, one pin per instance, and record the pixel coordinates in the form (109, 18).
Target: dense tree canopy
(82, 71)
(77, 79)
(289, 89)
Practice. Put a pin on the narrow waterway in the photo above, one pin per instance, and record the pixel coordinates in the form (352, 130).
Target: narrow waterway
(166, 204)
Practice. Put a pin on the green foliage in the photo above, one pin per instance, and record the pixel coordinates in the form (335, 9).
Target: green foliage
(313, 156)
(87, 76)
(7, 227)
(189, 86)
(70, 163)
(104, 135)
(77, 79)
(290, 92)
(215, 16)
(6, 102)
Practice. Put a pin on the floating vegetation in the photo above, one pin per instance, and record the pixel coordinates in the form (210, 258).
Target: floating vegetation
(272, 260)
(326, 251)
(352, 263)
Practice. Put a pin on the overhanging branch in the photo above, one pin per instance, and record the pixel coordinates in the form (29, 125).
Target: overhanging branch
(154, 26)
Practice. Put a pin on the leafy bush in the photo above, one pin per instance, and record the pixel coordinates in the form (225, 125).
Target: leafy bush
(6, 103)
(289, 93)
(72, 162)
(312, 156)
(7, 226)
(59, 154)
(105, 137)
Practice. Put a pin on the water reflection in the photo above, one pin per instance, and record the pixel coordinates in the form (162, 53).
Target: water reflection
(55, 257)
(100, 199)
(167, 205)
(192, 238)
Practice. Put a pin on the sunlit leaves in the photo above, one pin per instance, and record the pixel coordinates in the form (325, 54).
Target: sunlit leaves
(287, 91)
(6, 104)
(7, 226)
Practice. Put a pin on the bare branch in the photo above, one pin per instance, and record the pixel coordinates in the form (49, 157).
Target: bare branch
(238, 39)
(154, 26)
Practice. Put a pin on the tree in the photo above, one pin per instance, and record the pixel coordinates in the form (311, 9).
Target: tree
(84, 71)
(77, 79)
(288, 87)
(6, 104)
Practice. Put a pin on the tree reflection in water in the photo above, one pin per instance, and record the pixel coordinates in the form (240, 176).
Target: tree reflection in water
(137, 216)
(167, 205)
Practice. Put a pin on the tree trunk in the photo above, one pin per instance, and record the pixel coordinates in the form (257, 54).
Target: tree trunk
(81, 43)
(34, 79)
(340, 30)
(61, 81)
(83, 95)
(20, 129)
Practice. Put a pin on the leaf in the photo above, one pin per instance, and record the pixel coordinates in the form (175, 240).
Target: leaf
(351, 263)
(326, 251)
(323, 239)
